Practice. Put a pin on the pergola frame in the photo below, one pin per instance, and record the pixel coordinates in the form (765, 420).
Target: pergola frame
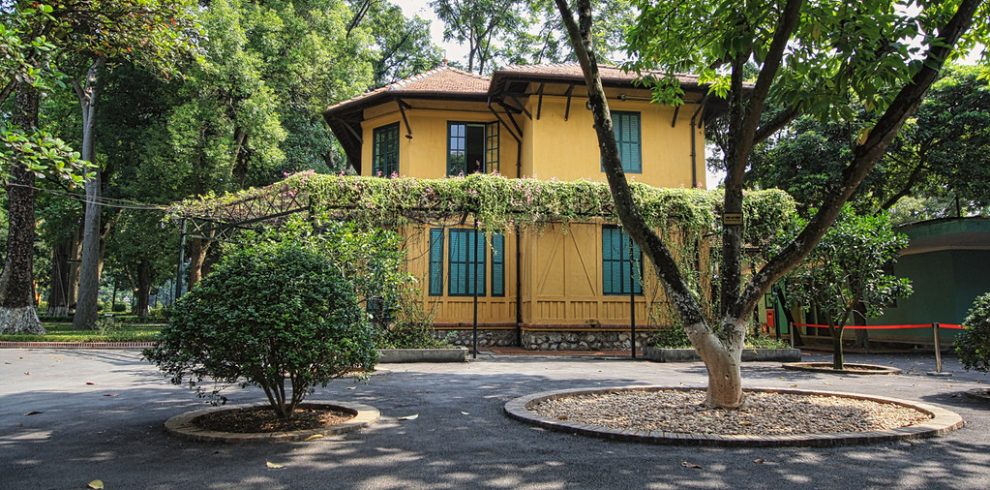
(272, 205)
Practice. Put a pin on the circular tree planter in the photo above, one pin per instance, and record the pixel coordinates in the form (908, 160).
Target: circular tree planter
(935, 421)
(185, 426)
(850, 368)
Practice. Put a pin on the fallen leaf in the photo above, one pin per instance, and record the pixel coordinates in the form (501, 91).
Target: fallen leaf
(95, 485)
(759, 461)
(313, 437)
(273, 466)
(688, 464)
(409, 417)
(32, 412)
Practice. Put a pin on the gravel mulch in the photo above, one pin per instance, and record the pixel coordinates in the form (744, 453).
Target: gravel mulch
(256, 420)
(763, 413)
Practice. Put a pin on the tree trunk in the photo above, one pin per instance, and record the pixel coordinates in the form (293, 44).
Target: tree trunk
(197, 256)
(74, 269)
(17, 311)
(89, 273)
(143, 290)
(58, 292)
(723, 361)
(838, 357)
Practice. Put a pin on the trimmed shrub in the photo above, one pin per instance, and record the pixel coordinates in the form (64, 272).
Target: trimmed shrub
(973, 343)
(274, 312)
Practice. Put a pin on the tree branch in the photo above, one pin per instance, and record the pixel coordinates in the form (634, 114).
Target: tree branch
(632, 221)
(774, 124)
(865, 157)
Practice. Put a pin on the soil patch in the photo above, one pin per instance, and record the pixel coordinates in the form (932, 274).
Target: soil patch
(765, 413)
(259, 420)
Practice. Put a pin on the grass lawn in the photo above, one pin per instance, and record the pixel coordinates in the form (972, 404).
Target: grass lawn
(63, 332)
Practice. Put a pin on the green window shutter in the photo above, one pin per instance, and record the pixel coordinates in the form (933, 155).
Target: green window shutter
(498, 264)
(436, 261)
(616, 279)
(491, 147)
(385, 151)
(461, 262)
(456, 149)
(626, 126)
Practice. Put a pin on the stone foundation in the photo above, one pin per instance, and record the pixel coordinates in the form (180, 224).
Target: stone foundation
(547, 340)
(564, 340)
(486, 338)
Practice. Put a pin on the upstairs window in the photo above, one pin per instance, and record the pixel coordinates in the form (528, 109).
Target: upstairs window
(617, 274)
(385, 151)
(471, 148)
(626, 126)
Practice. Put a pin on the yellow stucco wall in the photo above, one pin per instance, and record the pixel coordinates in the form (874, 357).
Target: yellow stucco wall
(425, 154)
(561, 282)
(568, 150)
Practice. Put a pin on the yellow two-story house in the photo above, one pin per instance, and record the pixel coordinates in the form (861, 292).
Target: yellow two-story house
(554, 288)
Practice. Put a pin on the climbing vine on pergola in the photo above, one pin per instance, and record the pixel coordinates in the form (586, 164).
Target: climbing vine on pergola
(687, 218)
(498, 203)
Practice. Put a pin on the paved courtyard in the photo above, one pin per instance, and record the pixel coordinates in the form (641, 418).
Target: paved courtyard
(68, 417)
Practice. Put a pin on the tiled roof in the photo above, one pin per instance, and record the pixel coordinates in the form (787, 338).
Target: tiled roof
(610, 74)
(447, 81)
(444, 80)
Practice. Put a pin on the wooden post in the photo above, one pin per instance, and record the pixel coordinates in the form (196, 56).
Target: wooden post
(938, 352)
(938, 348)
(632, 301)
(474, 322)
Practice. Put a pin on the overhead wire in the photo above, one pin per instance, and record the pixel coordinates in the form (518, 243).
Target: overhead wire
(107, 202)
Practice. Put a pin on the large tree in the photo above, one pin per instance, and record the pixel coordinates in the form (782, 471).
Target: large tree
(942, 151)
(26, 151)
(403, 44)
(487, 26)
(810, 57)
(98, 35)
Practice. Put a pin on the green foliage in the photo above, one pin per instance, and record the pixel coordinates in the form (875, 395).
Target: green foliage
(373, 260)
(499, 203)
(484, 25)
(839, 51)
(63, 332)
(403, 45)
(848, 271)
(675, 337)
(973, 343)
(275, 310)
(943, 152)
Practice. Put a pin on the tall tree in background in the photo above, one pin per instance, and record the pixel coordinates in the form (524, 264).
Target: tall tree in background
(943, 152)
(810, 57)
(153, 32)
(487, 26)
(403, 45)
(26, 151)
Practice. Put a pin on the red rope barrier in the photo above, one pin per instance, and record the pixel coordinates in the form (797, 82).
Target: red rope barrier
(869, 327)
(950, 326)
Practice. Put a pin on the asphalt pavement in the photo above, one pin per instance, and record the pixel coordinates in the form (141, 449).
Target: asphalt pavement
(68, 417)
